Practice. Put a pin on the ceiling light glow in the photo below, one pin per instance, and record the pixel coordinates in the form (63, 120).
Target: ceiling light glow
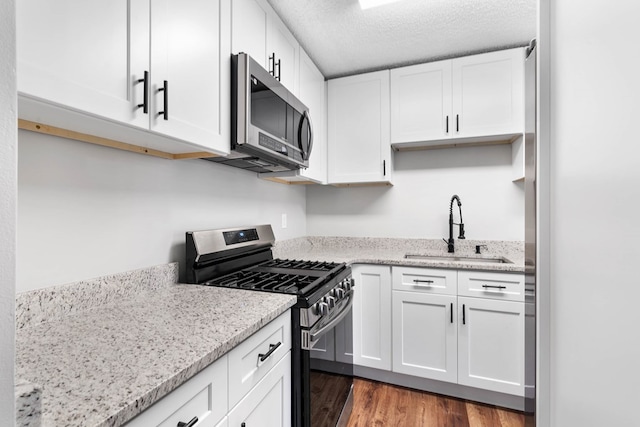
(368, 4)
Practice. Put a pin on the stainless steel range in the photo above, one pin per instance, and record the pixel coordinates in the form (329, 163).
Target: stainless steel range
(242, 258)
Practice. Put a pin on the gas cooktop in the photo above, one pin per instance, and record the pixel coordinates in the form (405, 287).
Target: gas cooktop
(280, 275)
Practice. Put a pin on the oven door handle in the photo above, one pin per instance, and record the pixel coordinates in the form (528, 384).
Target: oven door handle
(314, 336)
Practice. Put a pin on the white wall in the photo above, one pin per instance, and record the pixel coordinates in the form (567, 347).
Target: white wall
(418, 203)
(595, 110)
(8, 163)
(86, 211)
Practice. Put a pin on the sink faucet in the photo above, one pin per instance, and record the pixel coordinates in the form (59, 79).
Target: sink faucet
(450, 242)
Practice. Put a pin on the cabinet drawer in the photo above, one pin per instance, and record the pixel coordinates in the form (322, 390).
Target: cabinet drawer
(245, 367)
(203, 396)
(503, 286)
(268, 404)
(431, 280)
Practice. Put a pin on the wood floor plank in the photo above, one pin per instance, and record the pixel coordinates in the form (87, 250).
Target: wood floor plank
(383, 405)
(482, 416)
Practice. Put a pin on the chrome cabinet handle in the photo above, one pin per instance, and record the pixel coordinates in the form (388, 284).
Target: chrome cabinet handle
(145, 100)
(191, 423)
(422, 281)
(464, 320)
(272, 348)
(447, 127)
(451, 312)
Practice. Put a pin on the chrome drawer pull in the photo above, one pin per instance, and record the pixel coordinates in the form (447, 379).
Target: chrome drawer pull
(494, 287)
(422, 281)
(272, 348)
(191, 423)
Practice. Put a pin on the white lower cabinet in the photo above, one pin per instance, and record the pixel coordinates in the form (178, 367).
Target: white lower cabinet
(249, 386)
(424, 335)
(203, 397)
(372, 316)
(491, 344)
(268, 404)
(420, 322)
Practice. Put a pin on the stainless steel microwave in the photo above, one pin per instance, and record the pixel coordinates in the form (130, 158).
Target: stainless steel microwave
(271, 130)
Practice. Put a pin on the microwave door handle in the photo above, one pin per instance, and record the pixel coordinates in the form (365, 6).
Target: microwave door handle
(306, 117)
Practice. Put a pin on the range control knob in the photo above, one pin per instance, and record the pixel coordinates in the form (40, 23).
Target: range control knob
(331, 301)
(346, 284)
(340, 293)
(321, 308)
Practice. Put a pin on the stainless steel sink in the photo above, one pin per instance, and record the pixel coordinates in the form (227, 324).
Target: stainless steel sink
(480, 259)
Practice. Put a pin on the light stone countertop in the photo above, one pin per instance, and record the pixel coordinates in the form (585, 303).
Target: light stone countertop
(391, 251)
(104, 365)
(104, 350)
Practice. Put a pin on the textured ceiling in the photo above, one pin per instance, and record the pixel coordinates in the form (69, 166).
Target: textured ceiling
(342, 39)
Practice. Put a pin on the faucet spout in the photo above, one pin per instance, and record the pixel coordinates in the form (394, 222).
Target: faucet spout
(451, 241)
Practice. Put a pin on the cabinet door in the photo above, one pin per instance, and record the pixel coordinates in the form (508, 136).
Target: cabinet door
(421, 102)
(372, 316)
(203, 396)
(285, 47)
(491, 344)
(312, 94)
(191, 52)
(249, 29)
(358, 124)
(424, 335)
(488, 93)
(86, 56)
(269, 402)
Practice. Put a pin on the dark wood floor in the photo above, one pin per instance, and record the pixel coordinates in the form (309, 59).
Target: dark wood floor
(379, 404)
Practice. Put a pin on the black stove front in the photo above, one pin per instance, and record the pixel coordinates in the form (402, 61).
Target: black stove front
(241, 258)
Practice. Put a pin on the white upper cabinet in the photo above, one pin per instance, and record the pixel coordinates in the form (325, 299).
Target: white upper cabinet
(421, 102)
(249, 29)
(477, 98)
(313, 95)
(87, 56)
(258, 31)
(358, 129)
(85, 66)
(488, 93)
(188, 55)
(284, 49)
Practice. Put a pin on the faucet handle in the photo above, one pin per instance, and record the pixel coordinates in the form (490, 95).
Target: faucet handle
(480, 246)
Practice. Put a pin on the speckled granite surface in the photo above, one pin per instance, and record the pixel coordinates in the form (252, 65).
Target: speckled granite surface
(28, 404)
(105, 364)
(56, 302)
(389, 251)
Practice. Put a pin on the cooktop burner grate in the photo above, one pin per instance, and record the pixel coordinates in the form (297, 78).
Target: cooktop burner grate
(300, 264)
(278, 275)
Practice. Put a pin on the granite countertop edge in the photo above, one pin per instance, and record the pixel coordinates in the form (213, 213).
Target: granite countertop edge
(392, 251)
(107, 360)
(154, 395)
